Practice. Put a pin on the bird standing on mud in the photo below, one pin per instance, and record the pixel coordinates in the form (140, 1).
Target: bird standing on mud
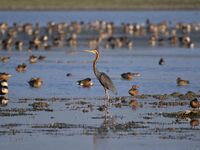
(103, 78)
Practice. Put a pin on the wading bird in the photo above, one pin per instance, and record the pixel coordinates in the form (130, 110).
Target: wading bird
(103, 78)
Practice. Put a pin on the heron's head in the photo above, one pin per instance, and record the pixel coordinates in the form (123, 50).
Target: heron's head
(94, 51)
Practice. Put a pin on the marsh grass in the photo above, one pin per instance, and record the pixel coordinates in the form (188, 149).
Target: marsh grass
(101, 5)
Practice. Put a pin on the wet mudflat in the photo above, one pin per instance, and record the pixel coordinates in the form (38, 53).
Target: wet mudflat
(61, 114)
(66, 121)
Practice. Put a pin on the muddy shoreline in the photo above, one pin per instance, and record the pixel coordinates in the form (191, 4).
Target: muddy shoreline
(34, 106)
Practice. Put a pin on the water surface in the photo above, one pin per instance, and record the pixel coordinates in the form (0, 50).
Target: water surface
(82, 127)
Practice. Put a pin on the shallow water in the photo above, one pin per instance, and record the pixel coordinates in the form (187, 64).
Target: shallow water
(154, 78)
(71, 125)
(117, 17)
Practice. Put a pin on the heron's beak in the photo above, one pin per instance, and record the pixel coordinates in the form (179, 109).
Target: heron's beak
(90, 51)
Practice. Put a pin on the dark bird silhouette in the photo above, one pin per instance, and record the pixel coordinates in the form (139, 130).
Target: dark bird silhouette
(41, 58)
(161, 61)
(103, 78)
(69, 74)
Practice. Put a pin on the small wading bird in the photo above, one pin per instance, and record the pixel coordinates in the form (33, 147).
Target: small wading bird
(103, 78)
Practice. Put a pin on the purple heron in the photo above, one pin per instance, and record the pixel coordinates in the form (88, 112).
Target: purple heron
(103, 78)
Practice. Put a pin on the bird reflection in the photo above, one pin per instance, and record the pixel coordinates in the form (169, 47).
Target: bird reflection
(194, 123)
(101, 137)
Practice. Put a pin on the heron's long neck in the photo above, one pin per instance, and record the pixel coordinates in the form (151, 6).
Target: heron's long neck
(96, 72)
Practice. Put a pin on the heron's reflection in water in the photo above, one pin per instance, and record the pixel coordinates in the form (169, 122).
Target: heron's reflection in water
(103, 134)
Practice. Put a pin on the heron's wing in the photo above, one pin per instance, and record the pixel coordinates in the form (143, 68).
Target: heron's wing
(107, 82)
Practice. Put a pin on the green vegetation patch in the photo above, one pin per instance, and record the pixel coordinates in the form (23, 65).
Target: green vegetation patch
(100, 5)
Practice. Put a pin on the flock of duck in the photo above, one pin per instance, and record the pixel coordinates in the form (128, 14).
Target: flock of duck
(86, 83)
(29, 36)
(100, 33)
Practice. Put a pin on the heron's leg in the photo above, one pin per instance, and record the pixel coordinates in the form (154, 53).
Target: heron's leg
(106, 103)
(106, 114)
(107, 96)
